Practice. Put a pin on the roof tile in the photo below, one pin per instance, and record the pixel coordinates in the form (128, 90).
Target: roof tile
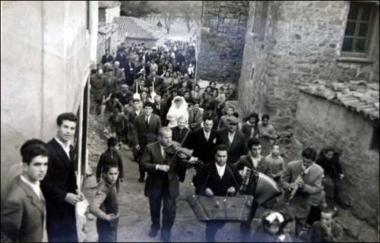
(357, 95)
(133, 28)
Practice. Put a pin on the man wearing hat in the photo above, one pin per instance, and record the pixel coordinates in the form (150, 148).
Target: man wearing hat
(147, 126)
(233, 139)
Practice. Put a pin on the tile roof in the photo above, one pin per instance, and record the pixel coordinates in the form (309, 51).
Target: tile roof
(357, 95)
(136, 28)
(108, 4)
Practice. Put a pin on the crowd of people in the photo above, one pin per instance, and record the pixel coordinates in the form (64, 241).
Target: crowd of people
(152, 104)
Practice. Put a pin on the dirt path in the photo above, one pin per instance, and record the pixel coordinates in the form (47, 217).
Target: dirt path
(135, 221)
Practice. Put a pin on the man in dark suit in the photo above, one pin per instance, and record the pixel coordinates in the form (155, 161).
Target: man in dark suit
(147, 126)
(195, 115)
(203, 141)
(121, 57)
(234, 140)
(107, 57)
(59, 186)
(159, 107)
(217, 179)
(165, 170)
(130, 72)
(180, 132)
(23, 218)
(131, 112)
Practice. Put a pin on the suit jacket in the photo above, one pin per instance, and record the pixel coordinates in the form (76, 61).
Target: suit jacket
(59, 180)
(156, 180)
(208, 177)
(312, 179)
(160, 111)
(203, 149)
(147, 134)
(246, 161)
(236, 149)
(23, 214)
(247, 130)
(195, 118)
(131, 130)
(106, 58)
(178, 135)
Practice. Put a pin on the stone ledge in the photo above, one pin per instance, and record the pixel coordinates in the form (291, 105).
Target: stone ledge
(355, 59)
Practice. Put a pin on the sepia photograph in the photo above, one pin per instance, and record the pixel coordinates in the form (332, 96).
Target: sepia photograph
(190, 121)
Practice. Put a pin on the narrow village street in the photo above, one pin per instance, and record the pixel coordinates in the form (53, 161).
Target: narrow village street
(278, 100)
(134, 222)
(134, 208)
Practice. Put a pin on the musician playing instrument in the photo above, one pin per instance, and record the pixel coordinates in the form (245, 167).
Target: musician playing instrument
(253, 161)
(165, 170)
(302, 182)
(217, 179)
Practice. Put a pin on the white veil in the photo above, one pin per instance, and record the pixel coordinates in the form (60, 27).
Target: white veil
(175, 112)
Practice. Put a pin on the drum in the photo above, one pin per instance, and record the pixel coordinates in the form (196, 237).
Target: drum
(262, 187)
(235, 208)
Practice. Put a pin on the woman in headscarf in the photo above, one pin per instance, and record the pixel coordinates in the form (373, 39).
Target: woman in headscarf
(177, 109)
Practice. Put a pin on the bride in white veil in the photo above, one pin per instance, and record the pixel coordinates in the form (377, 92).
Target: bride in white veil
(177, 109)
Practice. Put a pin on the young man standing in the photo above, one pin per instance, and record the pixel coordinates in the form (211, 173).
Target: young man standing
(203, 140)
(147, 126)
(23, 218)
(302, 182)
(59, 186)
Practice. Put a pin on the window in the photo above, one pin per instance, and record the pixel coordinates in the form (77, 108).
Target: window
(359, 27)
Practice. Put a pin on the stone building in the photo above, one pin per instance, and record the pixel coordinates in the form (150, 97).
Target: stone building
(132, 30)
(288, 44)
(45, 59)
(346, 116)
(221, 43)
(108, 10)
(107, 35)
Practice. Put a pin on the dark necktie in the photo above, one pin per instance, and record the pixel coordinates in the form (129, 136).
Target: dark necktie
(147, 121)
(71, 152)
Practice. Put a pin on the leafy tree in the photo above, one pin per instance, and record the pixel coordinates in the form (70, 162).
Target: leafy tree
(137, 8)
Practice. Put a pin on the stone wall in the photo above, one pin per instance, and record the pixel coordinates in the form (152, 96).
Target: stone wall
(302, 42)
(295, 42)
(321, 123)
(222, 40)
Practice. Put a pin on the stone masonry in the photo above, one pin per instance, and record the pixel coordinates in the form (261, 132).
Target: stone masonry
(222, 40)
(301, 42)
(291, 43)
(352, 133)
